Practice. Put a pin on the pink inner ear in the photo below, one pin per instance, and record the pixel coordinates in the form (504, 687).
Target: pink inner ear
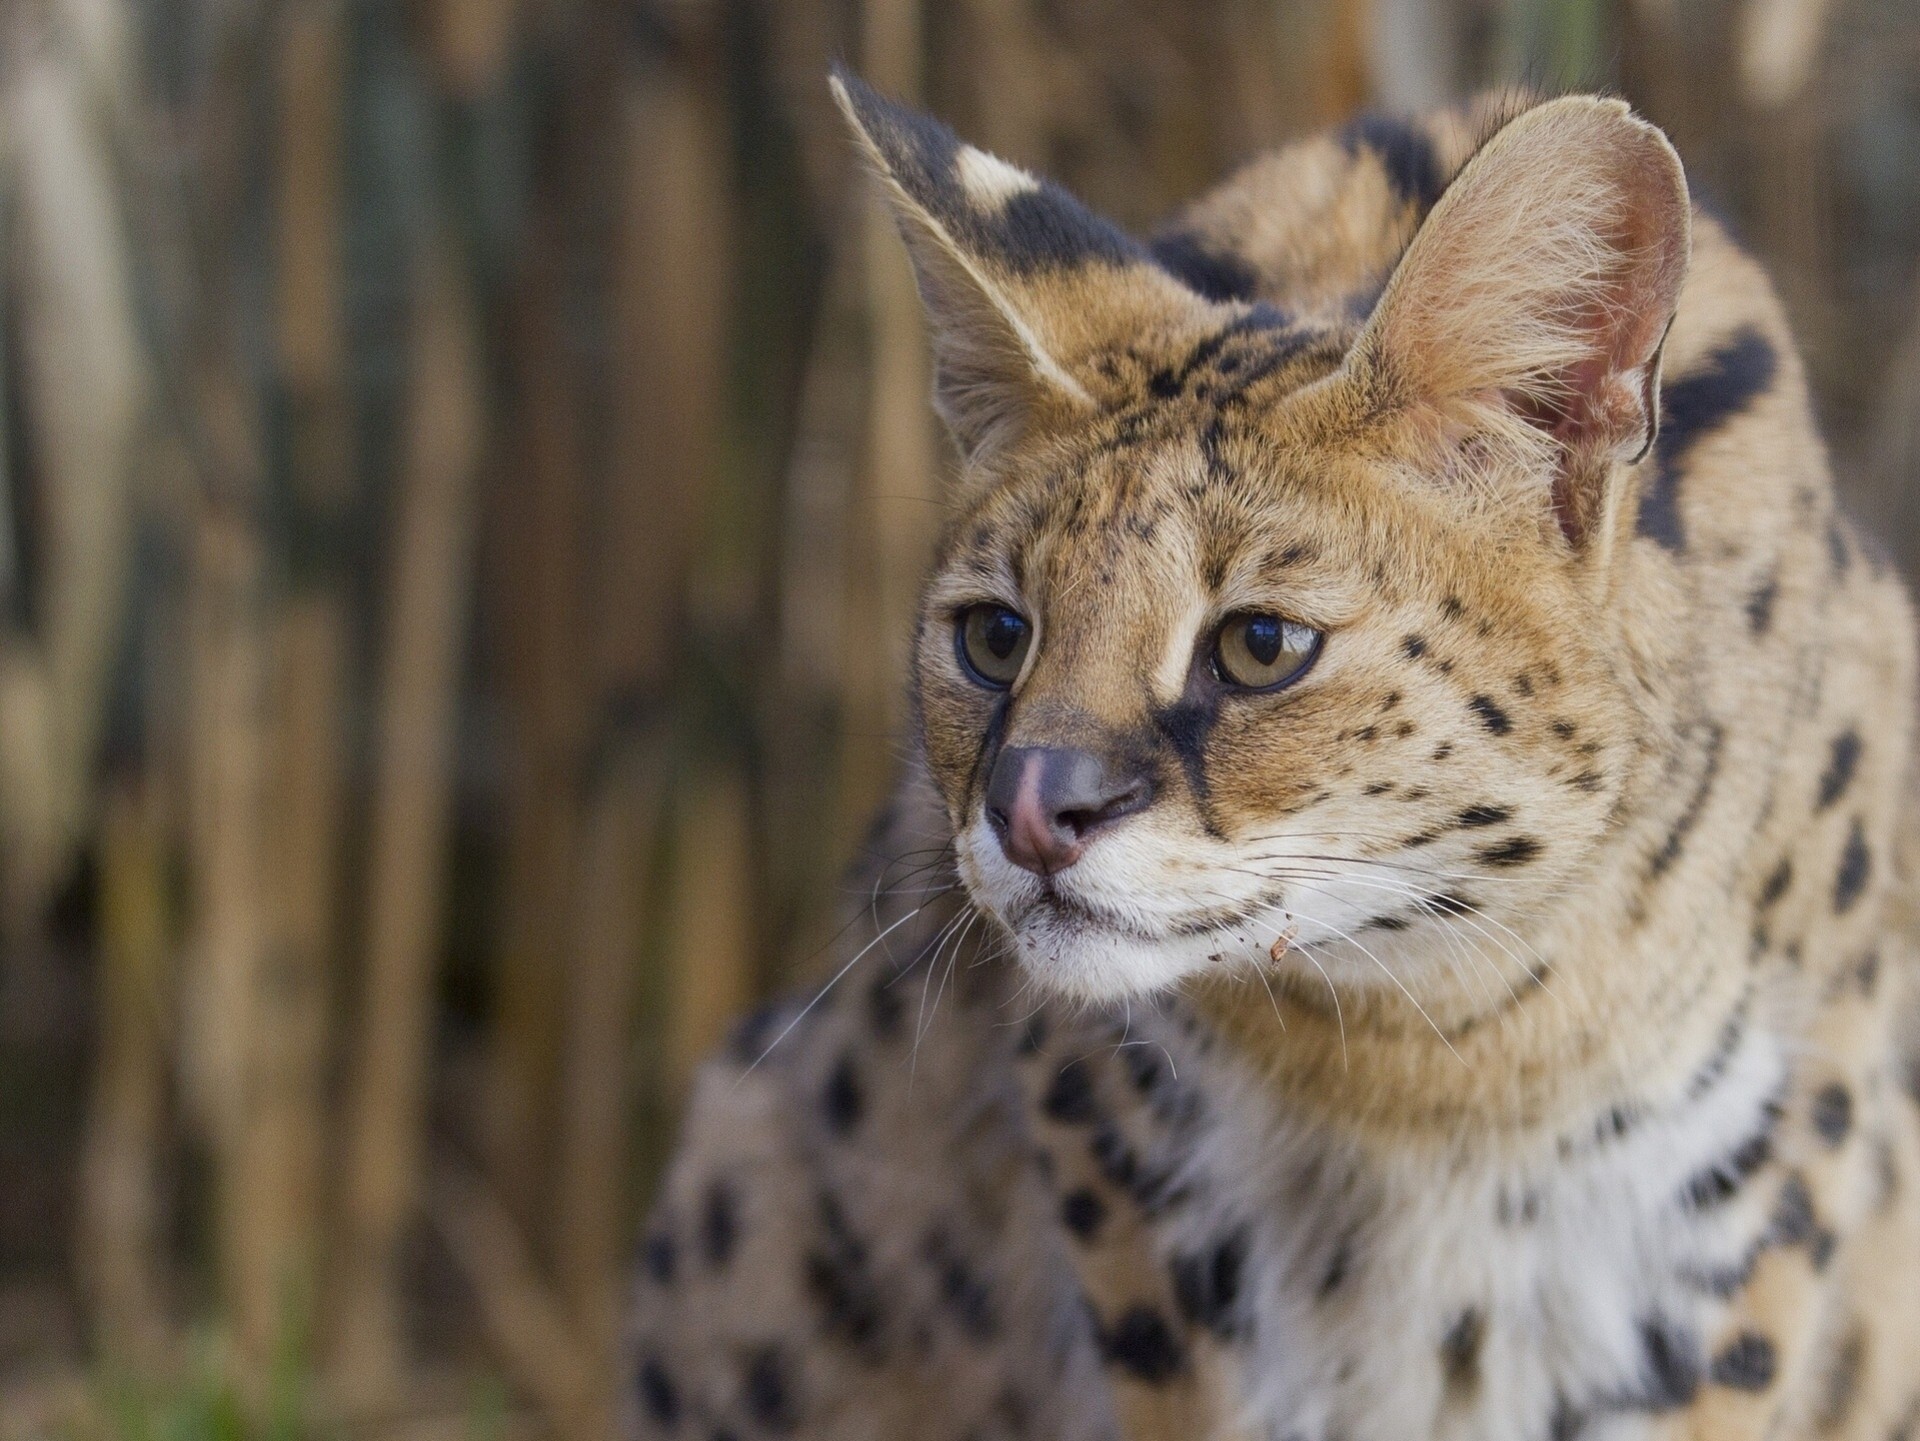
(1603, 407)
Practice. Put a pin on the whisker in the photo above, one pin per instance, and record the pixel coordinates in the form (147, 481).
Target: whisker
(821, 994)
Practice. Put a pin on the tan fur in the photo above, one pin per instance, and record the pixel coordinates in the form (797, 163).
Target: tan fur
(1620, 737)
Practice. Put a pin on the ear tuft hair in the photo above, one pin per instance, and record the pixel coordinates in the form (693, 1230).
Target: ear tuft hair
(1016, 223)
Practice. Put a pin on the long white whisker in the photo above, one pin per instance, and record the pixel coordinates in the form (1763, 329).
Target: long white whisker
(821, 994)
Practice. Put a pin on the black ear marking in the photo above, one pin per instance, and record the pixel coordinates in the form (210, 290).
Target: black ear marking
(1027, 225)
(1203, 267)
(1405, 153)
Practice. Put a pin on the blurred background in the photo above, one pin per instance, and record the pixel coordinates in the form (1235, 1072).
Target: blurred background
(464, 473)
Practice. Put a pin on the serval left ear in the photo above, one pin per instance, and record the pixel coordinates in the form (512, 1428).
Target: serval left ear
(1022, 283)
(1531, 306)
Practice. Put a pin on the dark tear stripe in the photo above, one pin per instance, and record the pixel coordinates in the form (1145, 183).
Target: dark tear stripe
(1217, 275)
(1692, 407)
(1186, 726)
(1669, 852)
(1404, 151)
(1036, 230)
(990, 740)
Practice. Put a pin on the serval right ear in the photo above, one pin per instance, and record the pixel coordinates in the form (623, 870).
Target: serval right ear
(1531, 306)
(1022, 283)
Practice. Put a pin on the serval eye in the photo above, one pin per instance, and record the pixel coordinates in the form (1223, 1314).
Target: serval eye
(1263, 652)
(992, 643)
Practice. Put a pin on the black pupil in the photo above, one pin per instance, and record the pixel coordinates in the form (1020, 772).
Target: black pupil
(1263, 638)
(1003, 632)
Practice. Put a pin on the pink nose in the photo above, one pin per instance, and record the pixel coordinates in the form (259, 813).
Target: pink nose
(1044, 801)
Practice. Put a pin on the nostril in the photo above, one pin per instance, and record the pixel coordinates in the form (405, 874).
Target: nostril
(1082, 819)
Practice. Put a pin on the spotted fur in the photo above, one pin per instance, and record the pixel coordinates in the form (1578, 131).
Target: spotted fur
(1507, 1030)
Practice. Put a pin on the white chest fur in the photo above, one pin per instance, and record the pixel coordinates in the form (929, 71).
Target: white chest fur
(1488, 1287)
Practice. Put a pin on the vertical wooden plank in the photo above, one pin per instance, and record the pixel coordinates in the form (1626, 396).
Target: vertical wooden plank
(276, 1164)
(120, 1241)
(898, 501)
(419, 678)
(711, 950)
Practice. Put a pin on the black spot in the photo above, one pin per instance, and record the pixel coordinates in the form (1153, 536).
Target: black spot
(1386, 923)
(1460, 1350)
(1491, 716)
(841, 1282)
(1692, 407)
(1855, 865)
(1485, 815)
(1776, 884)
(1516, 852)
(658, 1394)
(1833, 1113)
(1566, 1422)
(767, 1393)
(1143, 1066)
(1414, 646)
(1590, 781)
(1115, 1158)
(1451, 608)
(1144, 1346)
(661, 1257)
(1336, 1273)
(843, 1101)
(1033, 1035)
(1673, 1366)
(1675, 843)
(1841, 764)
(1760, 606)
(1564, 729)
(1793, 1216)
(1215, 273)
(1069, 1100)
(719, 1224)
(1207, 1283)
(884, 1008)
(1821, 1248)
(1747, 1364)
(963, 1291)
(1405, 152)
(1082, 1212)
(1447, 905)
(1722, 1181)
(1840, 1386)
(754, 1033)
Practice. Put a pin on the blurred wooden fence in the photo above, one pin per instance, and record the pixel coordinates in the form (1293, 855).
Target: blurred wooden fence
(464, 474)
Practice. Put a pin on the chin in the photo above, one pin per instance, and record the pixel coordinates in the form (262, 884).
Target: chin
(1080, 958)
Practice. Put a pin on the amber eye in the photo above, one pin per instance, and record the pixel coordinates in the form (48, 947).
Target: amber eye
(992, 642)
(1263, 652)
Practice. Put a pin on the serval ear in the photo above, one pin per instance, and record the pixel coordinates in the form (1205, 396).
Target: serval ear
(1530, 308)
(1022, 283)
